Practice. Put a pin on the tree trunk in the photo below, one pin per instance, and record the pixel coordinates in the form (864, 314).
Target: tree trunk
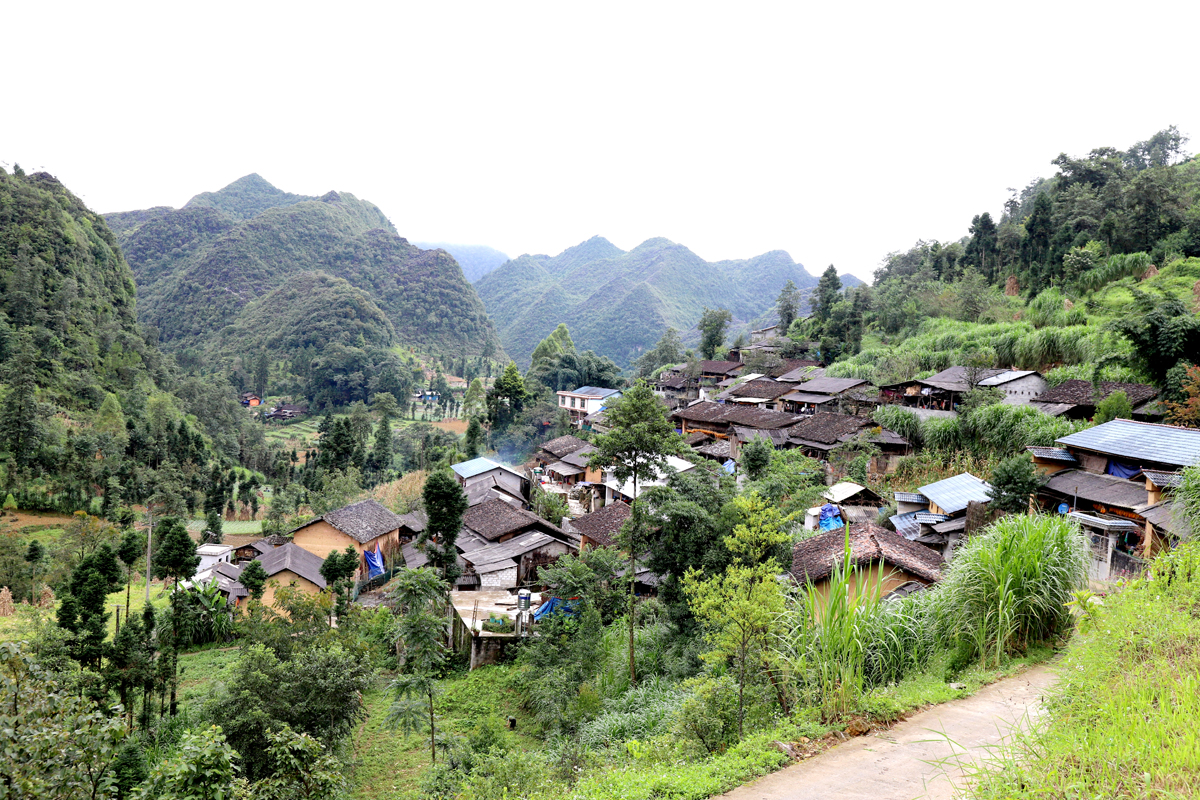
(741, 691)
(149, 539)
(129, 588)
(432, 739)
(174, 643)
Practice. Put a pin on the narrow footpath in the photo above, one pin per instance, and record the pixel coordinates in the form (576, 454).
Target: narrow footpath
(912, 759)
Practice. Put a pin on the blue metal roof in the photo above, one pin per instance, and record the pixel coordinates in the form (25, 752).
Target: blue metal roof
(906, 525)
(477, 466)
(953, 494)
(594, 391)
(1140, 441)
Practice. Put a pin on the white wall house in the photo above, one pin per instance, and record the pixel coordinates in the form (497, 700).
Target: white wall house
(585, 400)
(1019, 386)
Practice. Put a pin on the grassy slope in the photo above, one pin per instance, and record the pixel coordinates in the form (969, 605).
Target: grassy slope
(1123, 719)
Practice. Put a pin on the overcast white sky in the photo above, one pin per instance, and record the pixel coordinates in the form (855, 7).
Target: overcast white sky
(835, 131)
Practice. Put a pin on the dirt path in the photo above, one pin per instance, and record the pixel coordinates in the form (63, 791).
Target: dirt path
(899, 764)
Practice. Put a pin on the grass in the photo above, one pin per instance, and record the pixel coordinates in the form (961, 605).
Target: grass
(1122, 720)
(229, 527)
(25, 622)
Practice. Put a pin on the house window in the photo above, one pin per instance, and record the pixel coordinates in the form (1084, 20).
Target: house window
(562, 401)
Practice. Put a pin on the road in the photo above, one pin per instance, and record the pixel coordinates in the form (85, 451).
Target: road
(903, 763)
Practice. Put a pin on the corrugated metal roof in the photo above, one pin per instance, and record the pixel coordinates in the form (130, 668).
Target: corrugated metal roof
(1005, 377)
(906, 525)
(1106, 489)
(593, 391)
(1141, 441)
(926, 518)
(1103, 523)
(951, 525)
(840, 491)
(1053, 454)
(910, 497)
(478, 466)
(952, 494)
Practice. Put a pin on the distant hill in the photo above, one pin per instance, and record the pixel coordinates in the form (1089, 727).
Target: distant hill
(619, 303)
(476, 260)
(251, 266)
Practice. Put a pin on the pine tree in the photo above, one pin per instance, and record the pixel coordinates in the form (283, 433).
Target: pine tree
(20, 423)
(788, 307)
(176, 559)
(713, 324)
(829, 287)
(445, 504)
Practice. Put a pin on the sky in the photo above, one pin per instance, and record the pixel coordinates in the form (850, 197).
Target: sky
(837, 132)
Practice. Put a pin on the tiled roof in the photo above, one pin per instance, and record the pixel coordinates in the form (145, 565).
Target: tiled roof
(813, 558)
(502, 555)
(828, 428)
(580, 457)
(1079, 393)
(952, 494)
(362, 521)
(1053, 454)
(295, 558)
(495, 518)
(1140, 441)
(698, 437)
(765, 389)
(790, 365)
(1107, 489)
(954, 379)
(602, 526)
(718, 448)
(803, 373)
(1164, 480)
(720, 367)
(733, 414)
(831, 385)
(926, 518)
(801, 396)
(415, 521)
(910, 497)
(675, 380)
(563, 445)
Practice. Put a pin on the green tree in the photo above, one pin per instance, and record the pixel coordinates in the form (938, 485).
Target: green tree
(214, 526)
(21, 429)
(35, 554)
(1115, 406)
(756, 457)
(507, 397)
(474, 437)
(1013, 482)
(445, 504)
(261, 371)
(176, 559)
(129, 550)
(254, 579)
(635, 449)
(787, 305)
(713, 324)
(303, 768)
(829, 289)
(201, 769)
(338, 571)
(475, 400)
(741, 611)
(420, 632)
(668, 351)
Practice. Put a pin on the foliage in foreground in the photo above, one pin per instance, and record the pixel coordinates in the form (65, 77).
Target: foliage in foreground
(1123, 716)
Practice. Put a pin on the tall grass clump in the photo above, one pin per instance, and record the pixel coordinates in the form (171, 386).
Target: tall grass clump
(1006, 430)
(943, 434)
(1049, 309)
(1009, 586)
(899, 419)
(1122, 265)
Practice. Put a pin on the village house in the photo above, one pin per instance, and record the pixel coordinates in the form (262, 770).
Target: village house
(936, 514)
(614, 491)
(822, 433)
(855, 503)
(556, 449)
(1116, 480)
(365, 525)
(251, 551)
(573, 468)
(585, 400)
(718, 419)
(944, 391)
(290, 565)
(212, 554)
(514, 562)
(600, 528)
(827, 394)
(761, 392)
(483, 479)
(250, 399)
(286, 411)
(803, 371)
(1076, 399)
(883, 558)
(676, 388)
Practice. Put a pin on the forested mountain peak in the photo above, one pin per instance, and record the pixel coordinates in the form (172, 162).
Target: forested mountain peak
(247, 197)
(204, 271)
(618, 303)
(476, 260)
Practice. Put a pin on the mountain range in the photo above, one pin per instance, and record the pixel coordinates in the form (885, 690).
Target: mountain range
(251, 267)
(476, 260)
(619, 303)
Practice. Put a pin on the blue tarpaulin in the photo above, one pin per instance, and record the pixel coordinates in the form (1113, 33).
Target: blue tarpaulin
(830, 518)
(1126, 471)
(374, 562)
(556, 604)
(729, 466)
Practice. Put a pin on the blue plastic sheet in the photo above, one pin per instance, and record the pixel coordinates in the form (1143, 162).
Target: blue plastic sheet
(374, 562)
(556, 605)
(1126, 471)
(831, 518)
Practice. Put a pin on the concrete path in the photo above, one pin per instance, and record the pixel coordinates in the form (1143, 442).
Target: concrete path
(900, 763)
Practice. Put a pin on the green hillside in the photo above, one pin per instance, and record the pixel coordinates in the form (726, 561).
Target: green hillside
(201, 267)
(617, 303)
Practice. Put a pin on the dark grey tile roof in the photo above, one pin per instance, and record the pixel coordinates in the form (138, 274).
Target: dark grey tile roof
(563, 445)
(292, 556)
(1164, 480)
(1080, 393)
(734, 414)
(952, 494)
(801, 396)
(503, 554)
(720, 367)
(1106, 489)
(803, 373)
(492, 519)
(910, 497)
(362, 521)
(716, 449)
(415, 521)
(925, 518)
(813, 558)
(1053, 454)
(832, 385)
(954, 379)
(760, 388)
(1140, 441)
(602, 526)
(951, 525)
(580, 457)
(828, 428)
